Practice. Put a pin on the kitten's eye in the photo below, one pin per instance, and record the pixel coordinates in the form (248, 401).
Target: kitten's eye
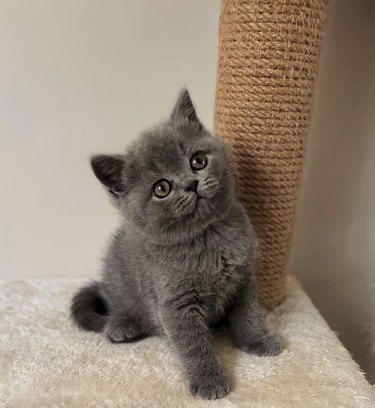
(162, 188)
(198, 161)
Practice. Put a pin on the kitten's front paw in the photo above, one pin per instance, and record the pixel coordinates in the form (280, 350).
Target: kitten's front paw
(209, 386)
(269, 346)
(122, 331)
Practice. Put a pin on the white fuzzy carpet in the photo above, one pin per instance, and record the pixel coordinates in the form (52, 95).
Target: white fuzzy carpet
(47, 362)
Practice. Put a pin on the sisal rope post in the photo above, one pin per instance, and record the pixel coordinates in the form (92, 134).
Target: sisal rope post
(267, 64)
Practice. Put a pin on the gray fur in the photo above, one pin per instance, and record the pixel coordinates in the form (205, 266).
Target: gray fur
(177, 265)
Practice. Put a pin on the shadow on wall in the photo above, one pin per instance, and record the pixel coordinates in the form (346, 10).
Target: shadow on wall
(334, 245)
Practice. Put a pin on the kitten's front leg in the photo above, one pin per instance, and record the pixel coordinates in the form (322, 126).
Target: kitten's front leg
(248, 327)
(186, 328)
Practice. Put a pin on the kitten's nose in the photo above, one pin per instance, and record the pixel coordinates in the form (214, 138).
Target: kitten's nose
(192, 186)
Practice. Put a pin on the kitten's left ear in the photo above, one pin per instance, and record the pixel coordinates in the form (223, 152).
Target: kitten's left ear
(184, 109)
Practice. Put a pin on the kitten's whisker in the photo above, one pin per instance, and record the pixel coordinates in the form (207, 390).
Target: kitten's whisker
(181, 209)
(181, 204)
(210, 183)
(178, 201)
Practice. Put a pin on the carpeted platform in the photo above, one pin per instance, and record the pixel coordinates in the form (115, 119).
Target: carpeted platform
(47, 362)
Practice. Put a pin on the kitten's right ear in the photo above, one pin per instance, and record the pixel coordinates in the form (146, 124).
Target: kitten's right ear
(184, 109)
(109, 170)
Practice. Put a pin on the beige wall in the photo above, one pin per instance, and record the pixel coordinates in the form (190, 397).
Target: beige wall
(84, 76)
(79, 77)
(334, 246)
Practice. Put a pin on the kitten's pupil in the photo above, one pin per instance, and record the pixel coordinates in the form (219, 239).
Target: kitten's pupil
(162, 188)
(198, 161)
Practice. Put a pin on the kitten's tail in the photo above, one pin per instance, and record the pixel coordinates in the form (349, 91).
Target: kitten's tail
(89, 309)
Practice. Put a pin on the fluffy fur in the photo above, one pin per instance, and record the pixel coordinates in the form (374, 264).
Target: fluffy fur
(182, 263)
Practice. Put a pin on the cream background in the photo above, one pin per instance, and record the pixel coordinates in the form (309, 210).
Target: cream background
(79, 77)
(84, 76)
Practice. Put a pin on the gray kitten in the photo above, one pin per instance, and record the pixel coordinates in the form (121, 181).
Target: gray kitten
(183, 258)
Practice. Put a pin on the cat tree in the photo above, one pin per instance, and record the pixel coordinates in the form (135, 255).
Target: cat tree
(268, 59)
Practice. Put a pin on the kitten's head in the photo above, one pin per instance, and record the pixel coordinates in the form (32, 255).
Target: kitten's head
(174, 180)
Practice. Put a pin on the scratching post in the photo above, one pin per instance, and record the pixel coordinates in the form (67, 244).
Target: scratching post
(267, 64)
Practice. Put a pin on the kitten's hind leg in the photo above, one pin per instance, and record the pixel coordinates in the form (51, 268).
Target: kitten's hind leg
(124, 328)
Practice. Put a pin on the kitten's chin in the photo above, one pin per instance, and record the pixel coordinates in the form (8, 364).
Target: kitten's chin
(201, 216)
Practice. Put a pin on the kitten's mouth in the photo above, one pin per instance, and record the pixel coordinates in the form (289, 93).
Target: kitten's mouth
(198, 201)
(199, 198)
